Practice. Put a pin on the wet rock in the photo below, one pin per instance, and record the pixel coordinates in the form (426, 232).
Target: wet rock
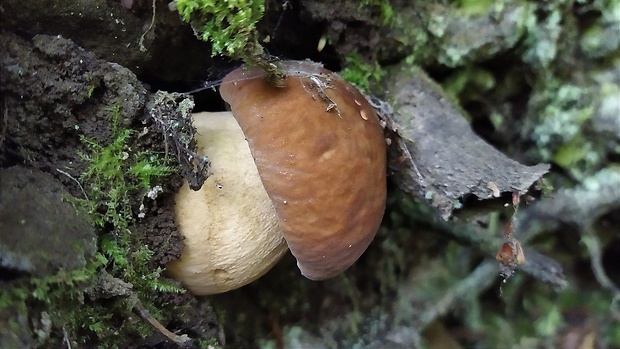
(41, 231)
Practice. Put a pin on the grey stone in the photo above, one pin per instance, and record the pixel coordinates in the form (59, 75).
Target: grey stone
(41, 231)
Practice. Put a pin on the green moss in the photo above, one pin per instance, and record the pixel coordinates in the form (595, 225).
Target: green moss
(230, 26)
(569, 154)
(532, 315)
(408, 30)
(91, 90)
(602, 37)
(474, 6)
(469, 83)
(361, 73)
(459, 33)
(114, 174)
(387, 12)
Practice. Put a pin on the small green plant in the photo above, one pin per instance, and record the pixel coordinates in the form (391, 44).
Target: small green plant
(231, 28)
(361, 73)
(114, 174)
(59, 298)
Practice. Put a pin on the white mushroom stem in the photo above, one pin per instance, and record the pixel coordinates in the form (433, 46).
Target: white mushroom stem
(230, 226)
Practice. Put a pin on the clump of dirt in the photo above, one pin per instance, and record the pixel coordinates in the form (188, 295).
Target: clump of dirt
(59, 92)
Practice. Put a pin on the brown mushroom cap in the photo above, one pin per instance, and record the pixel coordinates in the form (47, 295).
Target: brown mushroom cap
(321, 155)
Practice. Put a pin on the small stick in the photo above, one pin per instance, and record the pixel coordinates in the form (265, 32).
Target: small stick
(75, 180)
(144, 314)
(5, 122)
(65, 338)
(141, 42)
(593, 244)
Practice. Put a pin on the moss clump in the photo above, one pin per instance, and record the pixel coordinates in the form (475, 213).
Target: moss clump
(115, 172)
(231, 28)
(360, 73)
(385, 8)
(114, 175)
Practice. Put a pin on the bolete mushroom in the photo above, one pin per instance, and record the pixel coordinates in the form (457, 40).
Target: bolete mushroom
(315, 180)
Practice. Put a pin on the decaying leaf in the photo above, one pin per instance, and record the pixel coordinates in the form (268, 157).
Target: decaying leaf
(439, 157)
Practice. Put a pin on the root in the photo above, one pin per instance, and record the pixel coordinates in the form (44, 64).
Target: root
(145, 315)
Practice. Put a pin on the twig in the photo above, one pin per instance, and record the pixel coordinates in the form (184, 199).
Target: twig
(544, 269)
(65, 338)
(276, 328)
(141, 42)
(476, 282)
(467, 235)
(593, 244)
(144, 314)
(5, 123)
(589, 238)
(76, 181)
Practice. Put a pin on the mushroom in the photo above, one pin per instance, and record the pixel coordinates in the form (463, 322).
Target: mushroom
(317, 172)
(230, 226)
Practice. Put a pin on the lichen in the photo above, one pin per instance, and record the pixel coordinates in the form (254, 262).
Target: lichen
(542, 39)
(565, 111)
(459, 34)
